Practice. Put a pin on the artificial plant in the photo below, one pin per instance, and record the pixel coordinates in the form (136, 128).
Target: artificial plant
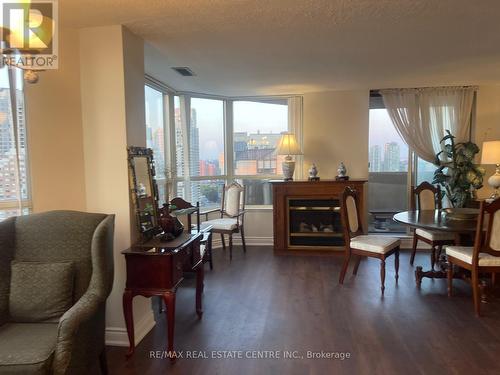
(457, 172)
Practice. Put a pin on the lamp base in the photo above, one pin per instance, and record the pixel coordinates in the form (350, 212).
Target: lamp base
(288, 167)
(494, 182)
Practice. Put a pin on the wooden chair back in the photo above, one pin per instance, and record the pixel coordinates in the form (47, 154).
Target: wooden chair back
(491, 243)
(426, 197)
(351, 217)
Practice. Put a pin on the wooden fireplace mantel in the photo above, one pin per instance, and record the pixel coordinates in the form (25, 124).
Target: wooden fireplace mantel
(285, 193)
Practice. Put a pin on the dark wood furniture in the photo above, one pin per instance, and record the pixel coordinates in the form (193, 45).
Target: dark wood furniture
(435, 220)
(361, 245)
(206, 241)
(428, 197)
(300, 205)
(483, 257)
(156, 268)
(232, 216)
(185, 208)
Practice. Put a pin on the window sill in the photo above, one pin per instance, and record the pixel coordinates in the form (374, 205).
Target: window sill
(259, 208)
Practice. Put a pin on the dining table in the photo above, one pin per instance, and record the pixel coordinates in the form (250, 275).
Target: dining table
(438, 220)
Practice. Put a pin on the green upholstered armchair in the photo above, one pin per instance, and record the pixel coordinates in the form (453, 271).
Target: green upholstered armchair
(73, 341)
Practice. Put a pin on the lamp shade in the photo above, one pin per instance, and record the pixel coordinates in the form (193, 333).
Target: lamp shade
(491, 152)
(288, 145)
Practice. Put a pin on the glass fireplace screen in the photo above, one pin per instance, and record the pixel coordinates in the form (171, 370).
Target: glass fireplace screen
(314, 222)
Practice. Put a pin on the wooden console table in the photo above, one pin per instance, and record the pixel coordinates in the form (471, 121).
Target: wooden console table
(306, 215)
(156, 268)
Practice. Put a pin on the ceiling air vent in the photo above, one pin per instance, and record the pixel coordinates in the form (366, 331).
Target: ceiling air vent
(184, 71)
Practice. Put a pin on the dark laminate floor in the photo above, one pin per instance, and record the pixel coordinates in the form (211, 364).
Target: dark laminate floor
(263, 302)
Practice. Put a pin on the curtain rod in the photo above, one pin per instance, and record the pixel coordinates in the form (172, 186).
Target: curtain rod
(376, 92)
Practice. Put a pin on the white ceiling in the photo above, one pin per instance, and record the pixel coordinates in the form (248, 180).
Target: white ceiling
(252, 47)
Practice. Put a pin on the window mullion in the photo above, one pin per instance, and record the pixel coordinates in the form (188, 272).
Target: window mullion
(169, 141)
(228, 134)
(185, 107)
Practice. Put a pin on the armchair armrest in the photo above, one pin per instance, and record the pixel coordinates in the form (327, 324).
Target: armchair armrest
(83, 310)
(209, 212)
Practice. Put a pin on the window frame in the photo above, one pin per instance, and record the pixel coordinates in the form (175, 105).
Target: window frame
(23, 206)
(228, 128)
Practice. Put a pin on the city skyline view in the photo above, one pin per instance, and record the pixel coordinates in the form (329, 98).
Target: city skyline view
(13, 161)
(257, 128)
(387, 151)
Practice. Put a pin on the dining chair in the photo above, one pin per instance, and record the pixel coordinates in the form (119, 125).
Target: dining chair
(232, 215)
(361, 245)
(483, 257)
(428, 197)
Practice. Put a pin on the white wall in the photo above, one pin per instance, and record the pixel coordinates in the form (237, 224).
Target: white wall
(54, 123)
(336, 130)
(113, 116)
(487, 126)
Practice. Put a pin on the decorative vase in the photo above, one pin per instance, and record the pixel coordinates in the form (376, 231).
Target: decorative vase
(342, 172)
(313, 173)
(288, 167)
(171, 226)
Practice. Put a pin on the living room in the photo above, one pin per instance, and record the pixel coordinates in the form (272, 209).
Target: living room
(253, 73)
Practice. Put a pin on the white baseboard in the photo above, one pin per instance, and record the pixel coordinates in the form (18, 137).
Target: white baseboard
(117, 336)
(250, 241)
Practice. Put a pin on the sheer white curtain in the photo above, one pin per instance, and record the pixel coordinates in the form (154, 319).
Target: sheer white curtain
(422, 116)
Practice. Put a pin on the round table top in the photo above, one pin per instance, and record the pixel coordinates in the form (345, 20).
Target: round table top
(434, 220)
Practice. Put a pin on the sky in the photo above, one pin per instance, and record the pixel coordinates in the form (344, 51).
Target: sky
(255, 116)
(4, 77)
(249, 117)
(382, 131)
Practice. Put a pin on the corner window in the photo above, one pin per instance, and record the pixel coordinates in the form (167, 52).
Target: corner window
(195, 160)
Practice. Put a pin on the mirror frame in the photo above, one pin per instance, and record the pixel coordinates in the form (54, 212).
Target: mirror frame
(133, 152)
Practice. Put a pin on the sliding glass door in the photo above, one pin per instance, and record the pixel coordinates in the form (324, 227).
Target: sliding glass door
(388, 174)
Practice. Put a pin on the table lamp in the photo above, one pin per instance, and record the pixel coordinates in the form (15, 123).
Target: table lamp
(491, 155)
(288, 146)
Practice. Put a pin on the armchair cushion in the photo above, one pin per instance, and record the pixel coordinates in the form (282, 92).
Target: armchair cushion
(40, 291)
(27, 348)
(223, 224)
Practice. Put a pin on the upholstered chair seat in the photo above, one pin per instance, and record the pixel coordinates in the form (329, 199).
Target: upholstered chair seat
(465, 254)
(435, 235)
(27, 348)
(375, 244)
(224, 223)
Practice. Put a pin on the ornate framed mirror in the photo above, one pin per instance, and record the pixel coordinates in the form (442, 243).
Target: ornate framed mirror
(144, 190)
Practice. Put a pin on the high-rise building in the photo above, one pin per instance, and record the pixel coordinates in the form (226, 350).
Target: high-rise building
(13, 168)
(391, 157)
(375, 159)
(194, 155)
